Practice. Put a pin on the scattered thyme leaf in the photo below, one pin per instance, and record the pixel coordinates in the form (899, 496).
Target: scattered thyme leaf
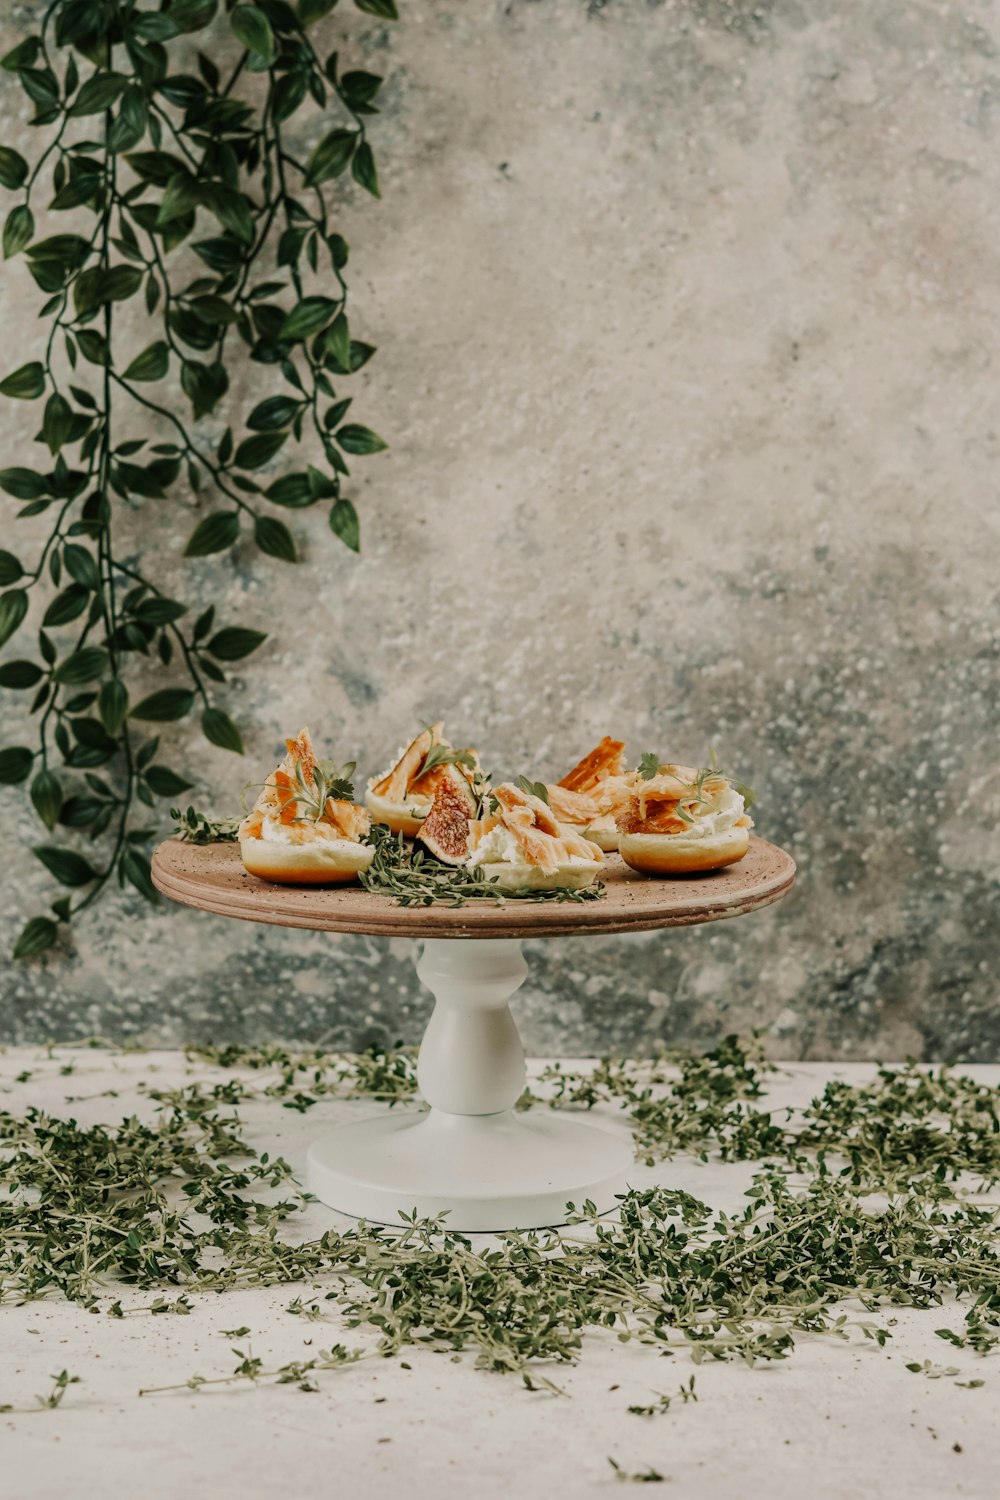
(194, 827)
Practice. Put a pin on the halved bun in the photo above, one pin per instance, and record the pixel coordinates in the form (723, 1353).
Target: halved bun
(604, 838)
(506, 875)
(679, 854)
(401, 817)
(318, 862)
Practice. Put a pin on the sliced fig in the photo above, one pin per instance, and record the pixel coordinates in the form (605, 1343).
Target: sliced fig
(445, 830)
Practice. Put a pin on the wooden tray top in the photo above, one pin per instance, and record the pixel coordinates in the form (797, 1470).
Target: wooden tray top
(212, 878)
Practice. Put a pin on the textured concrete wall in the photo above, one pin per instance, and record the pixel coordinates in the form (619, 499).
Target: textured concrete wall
(686, 316)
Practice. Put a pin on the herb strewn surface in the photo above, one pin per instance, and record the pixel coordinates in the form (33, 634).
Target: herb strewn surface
(872, 1198)
(152, 149)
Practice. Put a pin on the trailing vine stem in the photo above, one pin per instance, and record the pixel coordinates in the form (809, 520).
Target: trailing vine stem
(173, 151)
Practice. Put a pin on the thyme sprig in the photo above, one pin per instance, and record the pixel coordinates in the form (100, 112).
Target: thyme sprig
(413, 877)
(193, 827)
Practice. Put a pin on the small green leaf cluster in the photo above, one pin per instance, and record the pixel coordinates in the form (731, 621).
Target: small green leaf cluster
(150, 146)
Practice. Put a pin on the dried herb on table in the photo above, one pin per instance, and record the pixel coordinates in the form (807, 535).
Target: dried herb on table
(863, 1204)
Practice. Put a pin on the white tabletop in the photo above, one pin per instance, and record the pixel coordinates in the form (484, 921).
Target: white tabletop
(834, 1420)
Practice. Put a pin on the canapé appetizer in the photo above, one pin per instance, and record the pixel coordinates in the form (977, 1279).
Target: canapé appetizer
(584, 799)
(304, 828)
(677, 820)
(402, 797)
(521, 845)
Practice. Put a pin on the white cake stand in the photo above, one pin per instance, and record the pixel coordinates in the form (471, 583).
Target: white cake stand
(469, 1154)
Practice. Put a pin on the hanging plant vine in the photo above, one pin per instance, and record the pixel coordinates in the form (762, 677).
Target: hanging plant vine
(154, 154)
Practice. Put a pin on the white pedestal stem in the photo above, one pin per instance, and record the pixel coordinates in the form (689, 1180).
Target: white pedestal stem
(470, 1156)
(471, 1059)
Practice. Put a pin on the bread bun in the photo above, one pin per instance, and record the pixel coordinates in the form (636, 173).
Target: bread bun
(318, 862)
(605, 838)
(679, 854)
(509, 875)
(401, 817)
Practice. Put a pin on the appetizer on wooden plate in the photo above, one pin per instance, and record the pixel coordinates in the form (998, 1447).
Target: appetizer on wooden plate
(305, 828)
(677, 820)
(402, 797)
(585, 799)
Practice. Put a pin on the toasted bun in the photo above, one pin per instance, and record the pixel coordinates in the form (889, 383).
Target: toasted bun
(678, 854)
(507, 876)
(320, 862)
(401, 817)
(604, 838)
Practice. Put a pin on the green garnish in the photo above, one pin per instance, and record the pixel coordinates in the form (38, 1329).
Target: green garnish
(413, 877)
(649, 765)
(534, 789)
(193, 827)
(328, 781)
(445, 755)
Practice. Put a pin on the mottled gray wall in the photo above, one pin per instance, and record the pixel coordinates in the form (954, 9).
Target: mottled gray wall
(686, 316)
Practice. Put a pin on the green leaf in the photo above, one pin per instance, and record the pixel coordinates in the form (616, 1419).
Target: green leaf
(68, 867)
(214, 534)
(13, 608)
(47, 798)
(338, 341)
(192, 15)
(67, 605)
(15, 763)
(23, 484)
(98, 93)
(311, 314)
(25, 383)
(331, 156)
(220, 730)
(255, 452)
(357, 439)
(37, 935)
(179, 199)
(82, 666)
(151, 364)
(95, 287)
(160, 611)
(13, 167)
(57, 422)
(166, 783)
(384, 9)
(204, 385)
(20, 674)
(276, 411)
(359, 88)
(164, 706)
(10, 568)
(156, 167)
(233, 643)
(81, 565)
(18, 230)
(363, 169)
(135, 868)
(273, 537)
(293, 490)
(251, 27)
(112, 705)
(314, 10)
(344, 523)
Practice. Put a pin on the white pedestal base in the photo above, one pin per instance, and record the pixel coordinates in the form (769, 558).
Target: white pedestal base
(470, 1156)
(502, 1171)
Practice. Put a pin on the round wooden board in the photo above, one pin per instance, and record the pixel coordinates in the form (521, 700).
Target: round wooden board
(212, 878)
